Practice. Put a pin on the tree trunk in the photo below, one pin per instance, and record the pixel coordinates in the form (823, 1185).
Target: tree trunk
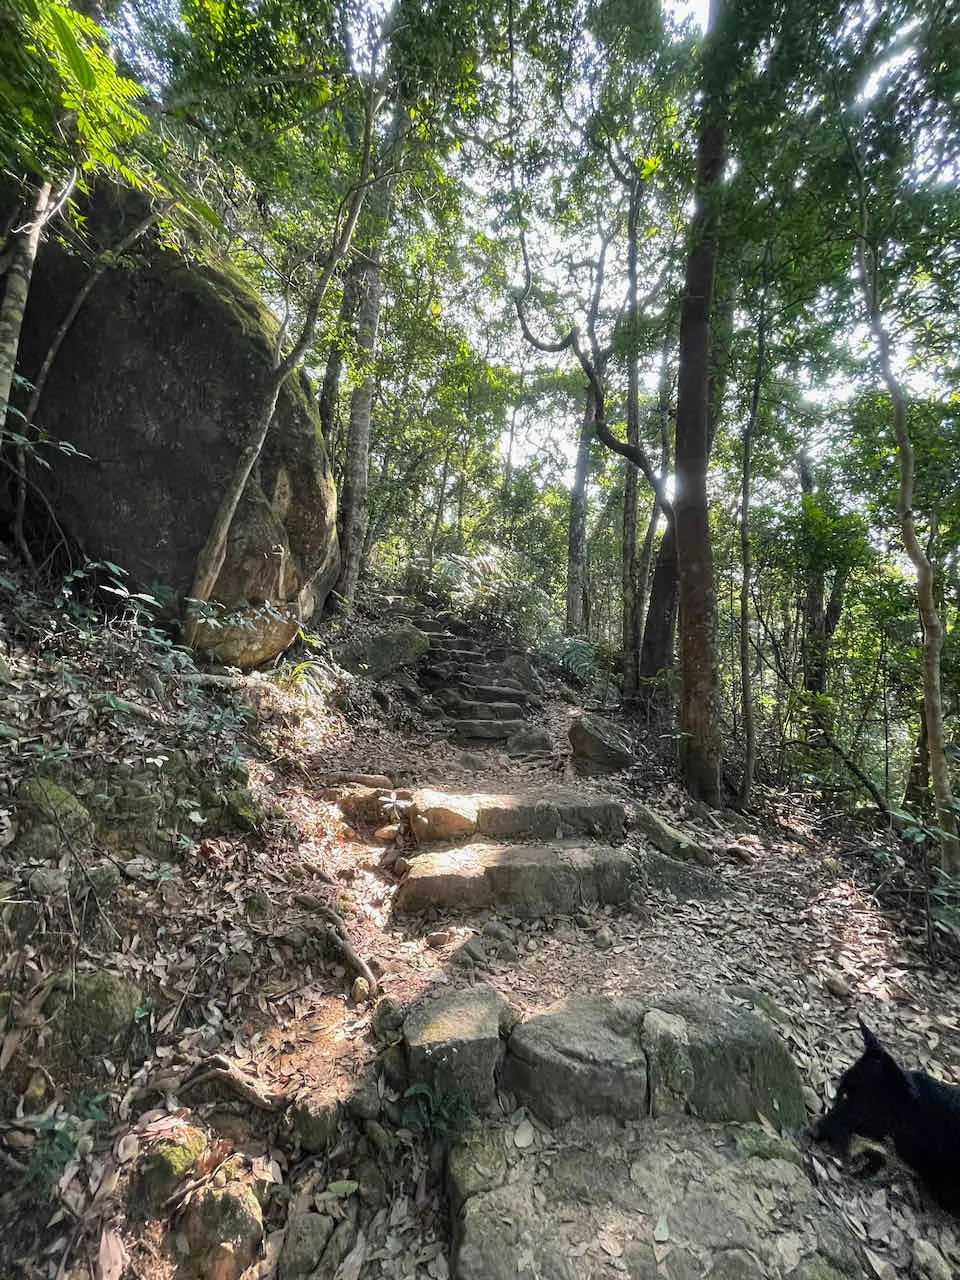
(630, 584)
(353, 494)
(214, 550)
(916, 792)
(438, 513)
(629, 566)
(926, 598)
(749, 430)
(577, 527)
(700, 747)
(660, 628)
(26, 241)
(329, 398)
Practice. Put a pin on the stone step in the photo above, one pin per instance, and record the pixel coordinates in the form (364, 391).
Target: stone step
(491, 730)
(494, 693)
(489, 710)
(600, 1055)
(527, 880)
(458, 655)
(540, 815)
(600, 1189)
(489, 673)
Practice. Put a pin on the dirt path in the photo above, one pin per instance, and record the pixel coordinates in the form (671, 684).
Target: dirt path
(797, 923)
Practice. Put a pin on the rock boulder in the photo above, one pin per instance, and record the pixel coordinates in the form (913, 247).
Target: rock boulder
(599, 745)
(158, 382)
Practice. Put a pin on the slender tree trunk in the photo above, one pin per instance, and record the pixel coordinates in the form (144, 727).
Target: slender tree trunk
(353, 494)
(916, 792)
(329, 399)
(700, 748)
(26, 241)
(438, 513)
(630, 585)
(746, 555)
(926, 597)
(629, 566)
(660, 627)
(214, 550)
(577, 527)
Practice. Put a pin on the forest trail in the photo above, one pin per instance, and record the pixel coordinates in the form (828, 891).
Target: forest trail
(448, 1019)
(582, 995)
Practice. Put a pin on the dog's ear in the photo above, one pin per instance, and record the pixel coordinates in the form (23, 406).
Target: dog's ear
(870, 1041)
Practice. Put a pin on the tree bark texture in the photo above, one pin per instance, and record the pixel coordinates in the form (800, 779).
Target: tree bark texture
(746, 555)
(700, 738)
(26, 241)
(577, 527)
(329, 399)
(353, 494)
(631, 619)
(926, 597)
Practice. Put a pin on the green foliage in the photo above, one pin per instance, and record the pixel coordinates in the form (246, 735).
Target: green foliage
(489, 588)
(587, 665)
(61, 1136)
(63, 104)
(437, 1113)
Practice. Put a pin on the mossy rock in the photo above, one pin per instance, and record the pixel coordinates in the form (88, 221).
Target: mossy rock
(52, 815)
(753, 1141)
(162, 1167)
(224, 1227)
(242, 809)
(105, 880)
(101, 1011)
(477, 1163)
(315, 1122)
(385, 652)
(759, 1000)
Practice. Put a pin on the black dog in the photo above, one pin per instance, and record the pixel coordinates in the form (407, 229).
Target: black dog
(877, 1099)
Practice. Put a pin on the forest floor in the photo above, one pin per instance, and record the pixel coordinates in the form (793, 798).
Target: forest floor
(818, 914)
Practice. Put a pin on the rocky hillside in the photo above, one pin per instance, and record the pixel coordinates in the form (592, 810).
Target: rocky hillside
(399, 962)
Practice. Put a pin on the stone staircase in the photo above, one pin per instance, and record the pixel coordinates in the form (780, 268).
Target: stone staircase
(486, 690)
(617, 1135)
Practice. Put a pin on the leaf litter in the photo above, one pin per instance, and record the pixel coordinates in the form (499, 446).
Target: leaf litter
(251, 1009)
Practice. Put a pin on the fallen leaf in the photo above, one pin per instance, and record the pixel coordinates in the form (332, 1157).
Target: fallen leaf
(112, 1257)
(610, 1244)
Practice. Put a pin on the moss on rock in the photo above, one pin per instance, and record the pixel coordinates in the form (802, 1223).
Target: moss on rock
(101, 1010)
(166, 1163)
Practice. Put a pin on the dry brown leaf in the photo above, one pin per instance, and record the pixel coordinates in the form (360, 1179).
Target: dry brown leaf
(610, 1244)
(112, 1256)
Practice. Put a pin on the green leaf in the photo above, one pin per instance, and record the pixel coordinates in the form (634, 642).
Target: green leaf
(70, 48)
(344, 1187)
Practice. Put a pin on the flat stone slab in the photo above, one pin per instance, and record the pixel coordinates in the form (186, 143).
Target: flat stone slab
(454, 1043)
(494, 693)
(582, 1056)
(551, 815)
(682, 879)
(668, 1198)
(530, 880)
(489, 710)
(490, 729)
(689, 1053)
(438, 815)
